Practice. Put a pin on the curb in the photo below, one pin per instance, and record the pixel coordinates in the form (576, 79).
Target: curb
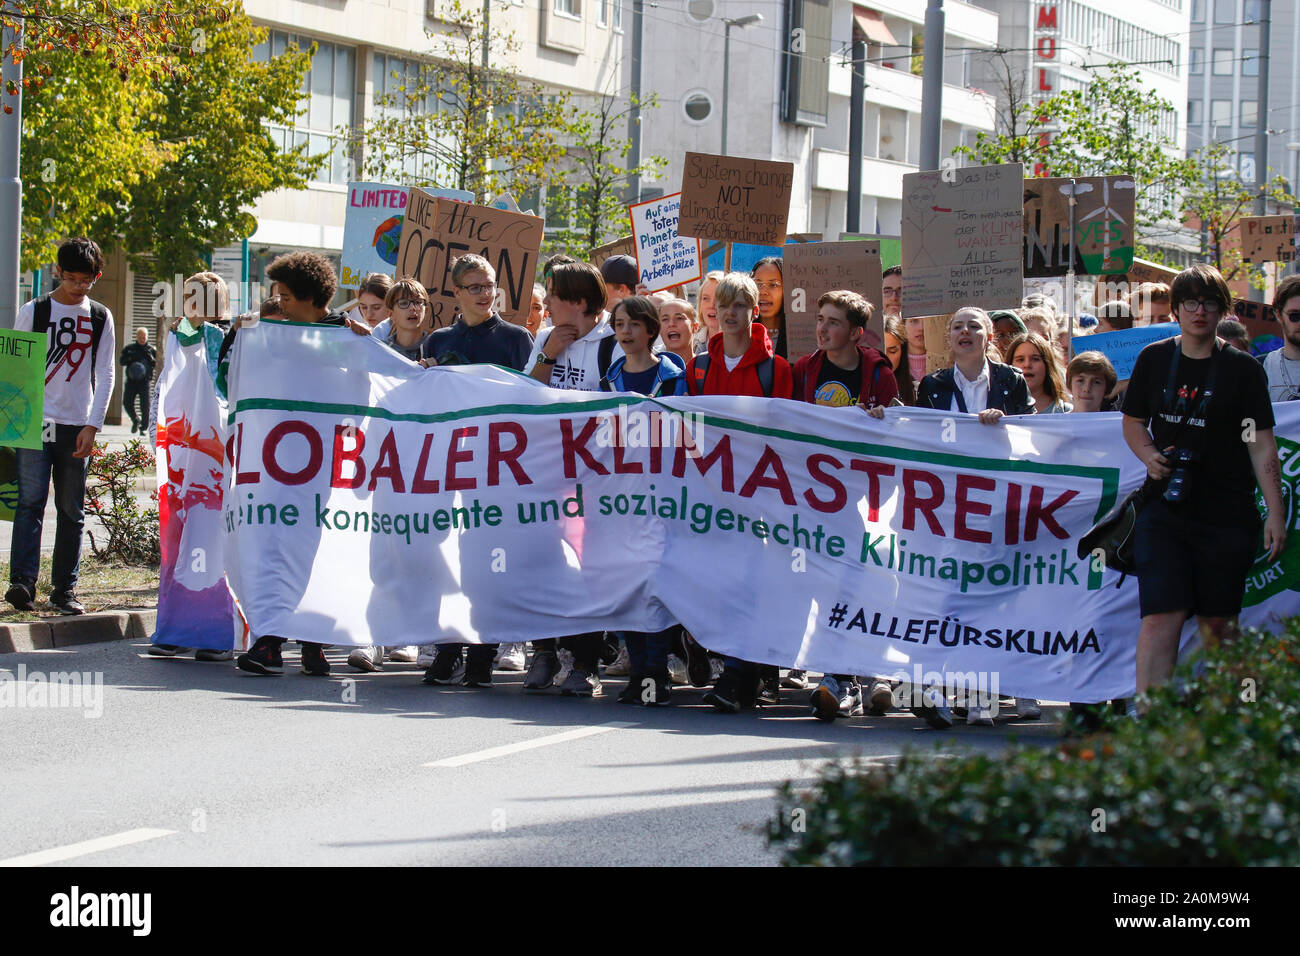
(74, 631)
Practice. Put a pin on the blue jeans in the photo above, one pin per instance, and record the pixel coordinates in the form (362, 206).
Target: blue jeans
(647, 654)
(35, 469)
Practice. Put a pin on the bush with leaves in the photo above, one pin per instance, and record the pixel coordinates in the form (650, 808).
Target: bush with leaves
(1208, 776)
(132, 531)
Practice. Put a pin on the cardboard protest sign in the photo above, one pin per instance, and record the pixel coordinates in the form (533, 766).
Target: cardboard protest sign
(735, 200)
(663, 258)
(1262, 326)
(619, 247)
(891, 247)
(1122, 347)
(439, 231)
(22, 388)
(811, 269)
(372, 228)
(963, 234)
(1103, 225)
(1267, 238)
(938, 352)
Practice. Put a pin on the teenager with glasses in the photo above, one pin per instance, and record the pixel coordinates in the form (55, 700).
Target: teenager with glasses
(1282, 366)
(1197, 415)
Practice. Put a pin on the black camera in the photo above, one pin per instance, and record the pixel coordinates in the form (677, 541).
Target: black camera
(1182, 459)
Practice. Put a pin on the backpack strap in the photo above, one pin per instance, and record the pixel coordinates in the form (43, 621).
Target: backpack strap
(605, 354)
(42, 311)
(701, 372)
(871, 394)
(766, 370)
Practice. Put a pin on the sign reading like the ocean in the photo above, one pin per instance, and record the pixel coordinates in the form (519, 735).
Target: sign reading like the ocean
(1268, 238)
(813, 268)
(372, 228)
(22, 388)
(1103, 225)
(439, 231)
(735, 200)
(663, 258)
(963, 234)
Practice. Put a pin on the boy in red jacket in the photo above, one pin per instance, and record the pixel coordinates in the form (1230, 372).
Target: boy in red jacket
(842, 372)
(740, 361)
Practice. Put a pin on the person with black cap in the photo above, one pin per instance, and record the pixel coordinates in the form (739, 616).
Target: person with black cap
(621, 278)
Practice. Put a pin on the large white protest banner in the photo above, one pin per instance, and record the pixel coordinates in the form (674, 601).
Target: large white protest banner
(376, 501)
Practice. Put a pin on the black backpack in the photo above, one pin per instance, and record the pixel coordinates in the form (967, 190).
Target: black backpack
(42, 310)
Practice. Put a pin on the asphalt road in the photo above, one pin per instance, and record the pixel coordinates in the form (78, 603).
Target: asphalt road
(201, 764)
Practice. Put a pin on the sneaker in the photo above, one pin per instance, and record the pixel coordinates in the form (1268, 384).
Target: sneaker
(314, 663)
(581, 684)
(851, 700)
(20, 597)
(67, 604)
(541, 673)
(795, 680)
(725, 695)
(478, 675)
(977, 716)
(716, 666)
(769, 691)
(211, 654)
(166, 650)
(882, 697)
(934, 709)
(448, 666)
(610, 645)
(622, 666)
(262, 658)
(647, 691)
(678, 673)
(699, 666)
(427, 653)
(366, 658)
(825, 699)
(1027, 709)
(511, 658)
(565, 657)
(404, 655)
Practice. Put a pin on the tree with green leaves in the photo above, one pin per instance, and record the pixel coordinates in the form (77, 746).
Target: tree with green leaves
(1216, 202)
(594, 200)
(462, 125)
(163, 153)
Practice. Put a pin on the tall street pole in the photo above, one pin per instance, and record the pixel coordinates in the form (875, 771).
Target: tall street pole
(726, 79)
(857, 95)
(932, 86)
(1261, 130)
(11, 186)
(634, 115)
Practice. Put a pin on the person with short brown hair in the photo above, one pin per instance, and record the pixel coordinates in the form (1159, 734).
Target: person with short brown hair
(1282, 366)
(1090, 378)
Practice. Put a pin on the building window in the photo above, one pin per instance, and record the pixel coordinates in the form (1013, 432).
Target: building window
(700, 10)
(1251, 13)
(1195, 61)
(1198, 11)
(618, 16)
(805, 80)
(1223, 63)
(1249, 115)
(697, 106)
(1246, 164)
(570, 8)
(602, 13)
(557, 207)
(1250, 62)
(1220, 114)
(1193, 112)
(395, 94)
(1225, 11)
(328, 90)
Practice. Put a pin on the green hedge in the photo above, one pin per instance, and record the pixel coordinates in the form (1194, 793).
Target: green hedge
(1207, 777)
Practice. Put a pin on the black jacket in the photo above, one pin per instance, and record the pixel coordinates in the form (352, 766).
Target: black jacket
(1008, 391)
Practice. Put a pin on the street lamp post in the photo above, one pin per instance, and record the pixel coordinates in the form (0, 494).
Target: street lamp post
(727, 24)
(11, 187)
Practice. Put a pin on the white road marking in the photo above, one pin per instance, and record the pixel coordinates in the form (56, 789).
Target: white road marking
(506, 750)
(73, 850)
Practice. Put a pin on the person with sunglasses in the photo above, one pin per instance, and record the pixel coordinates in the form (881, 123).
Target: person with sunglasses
(1282, 366)
(1197, 415)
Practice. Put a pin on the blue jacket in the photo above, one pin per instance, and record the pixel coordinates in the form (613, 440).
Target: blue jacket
(494, 342)
(670, 376)
(1008, 391)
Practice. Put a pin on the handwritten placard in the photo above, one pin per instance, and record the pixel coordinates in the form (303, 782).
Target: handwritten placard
(1122, 347)
(372, 228)
(663, 258)
(735, 200)
(619, 247)
(811, 269)
(938, 350)
(439, 231)
(1103, 225)
(963, 236)
(1267, 238)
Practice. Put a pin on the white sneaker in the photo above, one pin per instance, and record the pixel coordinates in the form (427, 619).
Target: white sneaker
(366, 658)
(677, 672)
(404, 655)
(934, 709)
(881, 699)
(510, 657)
(622, 666)
(979, 717)
(566, 665)
(1027, 709)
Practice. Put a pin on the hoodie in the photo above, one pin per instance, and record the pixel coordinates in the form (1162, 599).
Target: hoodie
(743, 380)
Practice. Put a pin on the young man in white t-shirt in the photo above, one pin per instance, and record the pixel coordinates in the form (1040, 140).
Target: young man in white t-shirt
(79, 364)
(575, 352)
(1282, 366)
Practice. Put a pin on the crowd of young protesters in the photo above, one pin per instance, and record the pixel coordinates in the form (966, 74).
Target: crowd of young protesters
(592, 328)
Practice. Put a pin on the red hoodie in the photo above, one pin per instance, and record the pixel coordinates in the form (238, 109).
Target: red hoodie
(743, 380)
(808, 368)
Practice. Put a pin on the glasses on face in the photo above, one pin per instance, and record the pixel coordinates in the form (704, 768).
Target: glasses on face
(768, 286)
(79, 282)
(1208, 306)
(410, 304)
(480, 288)
(1292, 317)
